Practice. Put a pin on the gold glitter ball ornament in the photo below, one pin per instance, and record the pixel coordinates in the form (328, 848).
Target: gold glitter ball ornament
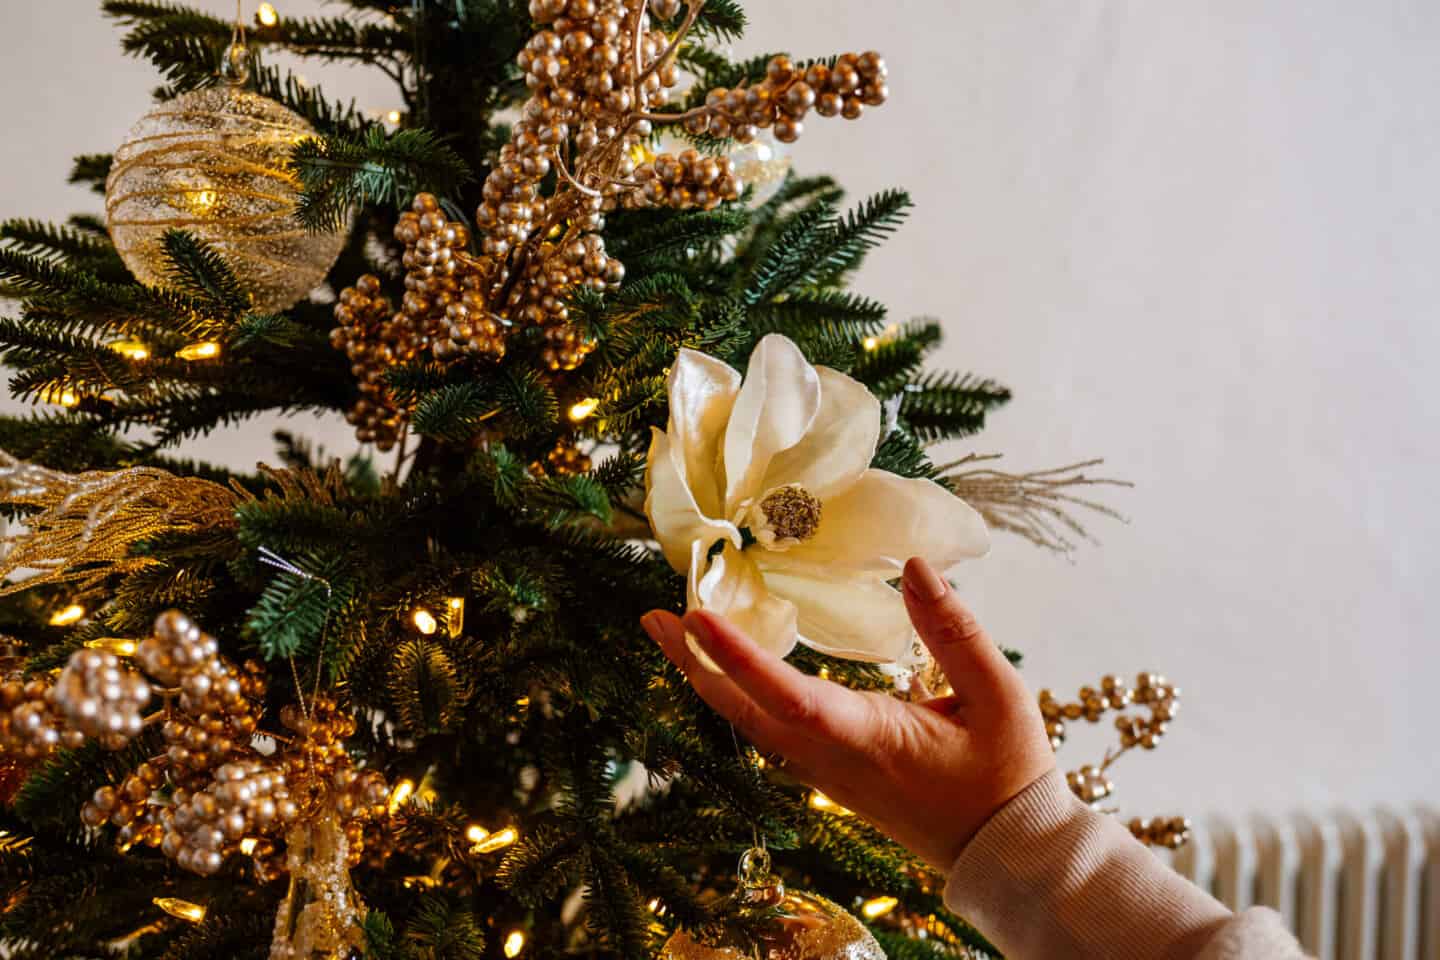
(214, 162)
(767, 922)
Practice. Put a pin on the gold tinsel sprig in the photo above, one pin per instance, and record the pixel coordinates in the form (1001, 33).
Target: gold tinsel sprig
(86, 522)
(1042, 506)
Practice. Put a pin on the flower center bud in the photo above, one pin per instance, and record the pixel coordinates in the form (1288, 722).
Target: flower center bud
(791, 513)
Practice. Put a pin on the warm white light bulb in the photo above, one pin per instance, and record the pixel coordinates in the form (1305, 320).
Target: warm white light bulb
(71, 614)
(584, 408)
(400, 794)
(498, 840)
(878, 907)
(203, 350)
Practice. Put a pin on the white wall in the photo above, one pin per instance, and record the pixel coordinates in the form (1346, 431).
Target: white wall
(1197, 237)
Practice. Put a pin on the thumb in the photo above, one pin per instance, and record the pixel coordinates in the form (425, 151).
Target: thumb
(973, 664)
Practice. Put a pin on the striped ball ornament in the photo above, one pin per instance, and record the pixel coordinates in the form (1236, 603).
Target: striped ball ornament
(214, 162)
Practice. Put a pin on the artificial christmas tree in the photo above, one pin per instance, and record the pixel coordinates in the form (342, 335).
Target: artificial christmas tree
(412, 715)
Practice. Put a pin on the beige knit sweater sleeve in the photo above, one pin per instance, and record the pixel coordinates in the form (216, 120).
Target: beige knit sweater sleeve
(1048, 877)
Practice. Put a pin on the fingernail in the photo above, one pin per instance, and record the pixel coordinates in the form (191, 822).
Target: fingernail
(923, 581)
(653, 626)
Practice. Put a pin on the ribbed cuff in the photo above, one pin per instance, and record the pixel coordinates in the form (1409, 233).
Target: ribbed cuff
(1049, 877)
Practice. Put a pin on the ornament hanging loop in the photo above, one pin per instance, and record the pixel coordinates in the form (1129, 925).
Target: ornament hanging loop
(758, 886)
(755, 867)
(235, 62)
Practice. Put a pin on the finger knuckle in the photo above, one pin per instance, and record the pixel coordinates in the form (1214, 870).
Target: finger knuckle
(797, 708)
(747, 722)
(957, 628)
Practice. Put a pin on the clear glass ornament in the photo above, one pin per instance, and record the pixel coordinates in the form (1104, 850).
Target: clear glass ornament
(761, 165)
(215, 162)
(762, 920)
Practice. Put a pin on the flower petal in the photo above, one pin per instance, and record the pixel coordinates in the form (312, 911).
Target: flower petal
(854, 617)
(840, 443)
(674, 516)
(775, 406)
(883, 520)
(702, 394)
(733, 588)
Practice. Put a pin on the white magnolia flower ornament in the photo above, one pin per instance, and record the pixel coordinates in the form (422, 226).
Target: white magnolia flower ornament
(777, 470)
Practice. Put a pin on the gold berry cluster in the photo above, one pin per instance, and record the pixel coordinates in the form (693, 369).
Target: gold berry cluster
(93, 697)
(598, 72)
(443, 301)
(565, 459)
(1160, 700)
(1151, 690)
(788, 93)
(1171, 832)
(211, 792)
(373, 337)
(691, 179)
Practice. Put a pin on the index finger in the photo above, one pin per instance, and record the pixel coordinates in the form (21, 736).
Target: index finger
(974, 665)
(804, 704)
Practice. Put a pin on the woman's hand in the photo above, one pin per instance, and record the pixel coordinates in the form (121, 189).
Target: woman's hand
(929, 775)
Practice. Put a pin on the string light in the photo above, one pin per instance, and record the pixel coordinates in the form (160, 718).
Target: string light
(67, 616)
(420, 881)
(202, 201)
(182, 909)
(267, 15)
(133, 349)
(455, 616)
(475, 833)
(884, 336)
(60, 396)
(514, 943)
(496, 841)
(879, 906)
(400, 794)
(424, 621)
(247, 845)
(120, 646)
(584, 408)
(393, 117)
(202, 350)
(818, 801)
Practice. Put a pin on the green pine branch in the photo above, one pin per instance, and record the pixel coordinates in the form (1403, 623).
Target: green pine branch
(337, 38)
(442, 929)
(649, 240)
(942, 406)
(183, 43)
(721, 20)
(343, 172)
(815, 246)
(893, 361)
(59, 242)
(196, 268)
(92, 168)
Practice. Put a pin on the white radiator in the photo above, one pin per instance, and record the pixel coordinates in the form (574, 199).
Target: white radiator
(1352, 887)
